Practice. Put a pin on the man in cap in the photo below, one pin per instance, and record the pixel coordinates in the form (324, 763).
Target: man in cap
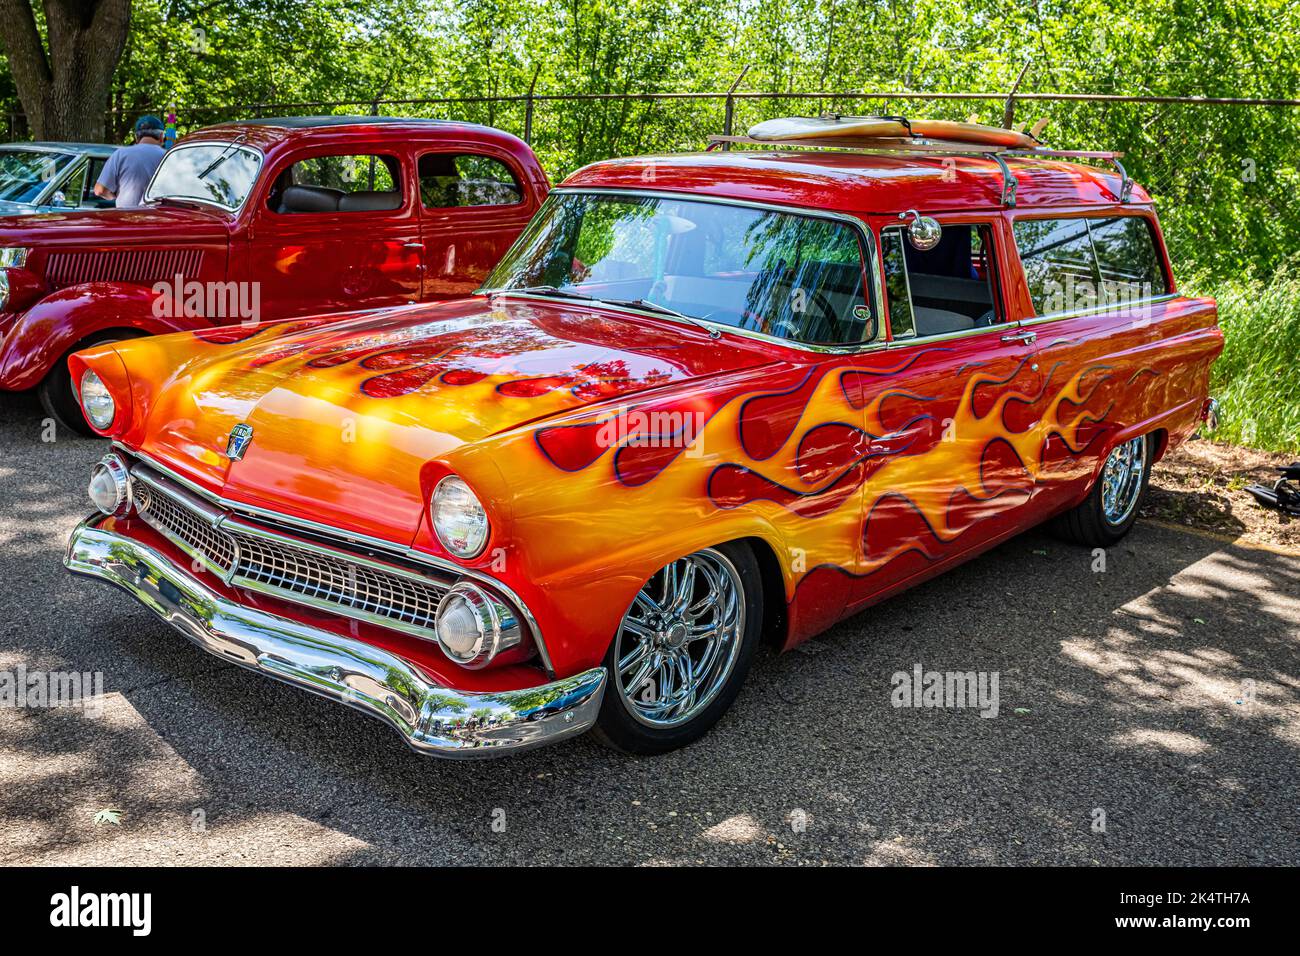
(128, 171)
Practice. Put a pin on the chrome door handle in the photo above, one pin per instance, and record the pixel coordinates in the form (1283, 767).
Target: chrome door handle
(412, 245)
(1023, 338)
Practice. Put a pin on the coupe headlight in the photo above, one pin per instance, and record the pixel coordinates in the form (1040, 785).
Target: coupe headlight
(459, 520)
(96, 401)
(473, 627)
(13, 256)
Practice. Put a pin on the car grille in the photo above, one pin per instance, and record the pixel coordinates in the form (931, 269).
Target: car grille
(143, 266)
(280, 567)
(193, 531)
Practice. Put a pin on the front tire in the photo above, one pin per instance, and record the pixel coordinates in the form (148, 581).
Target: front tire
(682, 651)
(57, 395)
(1111, 508)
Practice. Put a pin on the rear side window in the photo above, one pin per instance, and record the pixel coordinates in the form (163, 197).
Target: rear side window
(448, 180)
(1073, 265)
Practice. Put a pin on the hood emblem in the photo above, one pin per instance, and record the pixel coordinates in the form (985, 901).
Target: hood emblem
(241, 436)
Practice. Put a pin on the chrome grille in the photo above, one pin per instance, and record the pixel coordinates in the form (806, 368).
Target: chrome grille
(325, 579)
(176, 521)
(280, 567)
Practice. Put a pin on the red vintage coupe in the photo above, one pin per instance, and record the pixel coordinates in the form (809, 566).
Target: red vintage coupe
(705, 401)
(261, 220)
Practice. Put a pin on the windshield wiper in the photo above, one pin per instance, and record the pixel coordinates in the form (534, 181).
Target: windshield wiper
(222, 158)
(552, 290)
(649, 306)
(644, 304)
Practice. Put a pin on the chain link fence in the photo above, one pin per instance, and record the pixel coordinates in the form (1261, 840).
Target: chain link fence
(1222, 171)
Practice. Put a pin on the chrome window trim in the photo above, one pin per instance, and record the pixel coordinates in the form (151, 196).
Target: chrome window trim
(1127, 212)
(1098, 309)
(401, 551)
(867, 239)
(261, 165)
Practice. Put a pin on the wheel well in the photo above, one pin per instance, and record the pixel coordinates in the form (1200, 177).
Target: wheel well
(1161, 437)
(774, 610)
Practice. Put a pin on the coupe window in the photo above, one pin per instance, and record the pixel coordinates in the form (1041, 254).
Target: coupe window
(25, 174)
(219, 173)
(798, 277)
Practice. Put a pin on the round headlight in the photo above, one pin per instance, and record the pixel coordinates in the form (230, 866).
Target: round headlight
(458, 518)
(96, 401)
(473, 627)
(110, 486)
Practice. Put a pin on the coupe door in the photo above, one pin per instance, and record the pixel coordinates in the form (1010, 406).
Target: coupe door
(338, 232)
(472, 208)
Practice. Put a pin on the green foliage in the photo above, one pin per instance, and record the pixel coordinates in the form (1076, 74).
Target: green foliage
(1257, 379)
(1223, 177)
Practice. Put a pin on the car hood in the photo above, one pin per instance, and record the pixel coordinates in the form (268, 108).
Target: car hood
(112, 227)
(345, 413)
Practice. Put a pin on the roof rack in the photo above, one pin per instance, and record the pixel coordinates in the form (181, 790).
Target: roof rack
(928, 147)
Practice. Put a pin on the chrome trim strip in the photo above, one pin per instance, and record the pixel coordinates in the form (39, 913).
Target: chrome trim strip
(1099, 309)
(869, 247)
(433, 719)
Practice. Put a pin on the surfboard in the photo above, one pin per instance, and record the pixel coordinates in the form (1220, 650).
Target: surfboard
(870, 130)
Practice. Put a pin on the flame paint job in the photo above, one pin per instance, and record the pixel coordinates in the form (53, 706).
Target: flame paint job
(305, 264)
(605, 444)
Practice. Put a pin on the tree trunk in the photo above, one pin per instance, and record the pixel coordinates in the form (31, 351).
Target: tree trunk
(64, 91)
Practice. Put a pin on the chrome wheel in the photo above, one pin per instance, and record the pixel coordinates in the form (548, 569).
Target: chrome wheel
(1121, 480)
(678, 642)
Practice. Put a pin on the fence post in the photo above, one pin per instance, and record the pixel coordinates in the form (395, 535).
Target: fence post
(528, 107)
(1009, 110)
(729, 114)
(374, 107)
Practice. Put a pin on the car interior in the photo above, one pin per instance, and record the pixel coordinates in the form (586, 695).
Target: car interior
(319, 188)
(952, 285)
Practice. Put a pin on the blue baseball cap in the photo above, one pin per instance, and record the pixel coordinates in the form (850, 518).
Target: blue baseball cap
(147, 125)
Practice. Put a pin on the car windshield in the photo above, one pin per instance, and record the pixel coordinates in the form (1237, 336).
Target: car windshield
(798, 277)
(220, 173)
(24, 174)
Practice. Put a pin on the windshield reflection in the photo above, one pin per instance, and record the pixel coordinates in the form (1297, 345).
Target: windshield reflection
(786, 274)
(220, 173)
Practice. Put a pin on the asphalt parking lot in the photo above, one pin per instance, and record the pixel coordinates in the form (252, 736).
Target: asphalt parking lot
(1148, 714)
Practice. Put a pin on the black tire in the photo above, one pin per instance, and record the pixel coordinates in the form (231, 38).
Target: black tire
(56, 393)
(1087, 523)
(618, 728)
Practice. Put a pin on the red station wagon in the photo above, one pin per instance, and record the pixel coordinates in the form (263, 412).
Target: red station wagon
(260, 220)
(705, 401)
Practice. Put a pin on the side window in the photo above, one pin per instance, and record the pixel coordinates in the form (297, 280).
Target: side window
(1126, 259)
(71, 192)
(1077, 264)
(950, 288)
(448, 180)
(344, 183)
(92, 177)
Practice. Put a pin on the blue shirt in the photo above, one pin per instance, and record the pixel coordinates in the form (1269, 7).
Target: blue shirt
(128, 171)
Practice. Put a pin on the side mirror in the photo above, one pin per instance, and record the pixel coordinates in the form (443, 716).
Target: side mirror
(923, 232)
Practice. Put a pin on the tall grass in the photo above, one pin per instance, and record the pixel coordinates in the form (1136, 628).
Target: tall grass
(1257, 379)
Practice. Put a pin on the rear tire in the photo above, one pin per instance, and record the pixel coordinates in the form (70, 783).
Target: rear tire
(59, 398)
(685, 645)
(1112, 505)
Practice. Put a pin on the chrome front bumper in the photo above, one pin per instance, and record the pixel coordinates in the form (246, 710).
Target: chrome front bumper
(433, 719)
